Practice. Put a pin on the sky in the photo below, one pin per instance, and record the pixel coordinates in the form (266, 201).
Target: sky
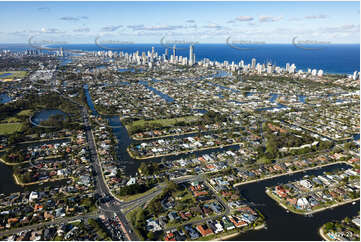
(178, 22)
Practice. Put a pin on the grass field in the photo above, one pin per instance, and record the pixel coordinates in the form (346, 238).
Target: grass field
(11, 120)
(135, 196)
(15, 74)
(10, 128)
(25, 112)
(141, 124)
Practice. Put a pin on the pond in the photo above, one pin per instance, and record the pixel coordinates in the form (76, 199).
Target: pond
(5, 75)
(4, 98)
(44, 115)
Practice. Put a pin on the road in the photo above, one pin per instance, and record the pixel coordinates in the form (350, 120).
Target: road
(54, 221)
(101, 186)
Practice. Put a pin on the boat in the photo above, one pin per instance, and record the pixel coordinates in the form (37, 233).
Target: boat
(353, 203)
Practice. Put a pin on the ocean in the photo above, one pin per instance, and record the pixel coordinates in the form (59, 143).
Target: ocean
(333, 58)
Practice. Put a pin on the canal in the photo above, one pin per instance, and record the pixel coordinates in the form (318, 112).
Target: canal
(288, 226)
(280, 224)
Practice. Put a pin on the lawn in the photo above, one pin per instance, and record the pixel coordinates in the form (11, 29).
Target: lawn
(25, 112)
(11, 120)
(10, 128)
(142, 124)
(135, 196)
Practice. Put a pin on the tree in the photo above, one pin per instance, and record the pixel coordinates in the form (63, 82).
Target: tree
(151, 235)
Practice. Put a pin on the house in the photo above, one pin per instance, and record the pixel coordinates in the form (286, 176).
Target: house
(302, 203)
(216, 226)
(173, 216)
(33, 196)
(237, 221)
(227, 224)
(131, 181)
(204, 230)
(152, 225)
(192, 233)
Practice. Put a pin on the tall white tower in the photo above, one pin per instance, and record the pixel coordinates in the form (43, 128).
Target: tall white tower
(253, 63)
(191, 59)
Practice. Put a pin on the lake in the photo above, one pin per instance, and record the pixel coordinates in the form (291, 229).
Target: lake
(44, 115)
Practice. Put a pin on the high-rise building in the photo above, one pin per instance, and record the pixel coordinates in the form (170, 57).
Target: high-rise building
(191, 55)
(174, 53)
(355, 75)
(259, 68)
(292, 68)
(269, 68)
(320, 73)
(241, 63)
(253, 63)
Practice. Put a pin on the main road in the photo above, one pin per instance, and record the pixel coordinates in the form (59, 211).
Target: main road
(114, 208)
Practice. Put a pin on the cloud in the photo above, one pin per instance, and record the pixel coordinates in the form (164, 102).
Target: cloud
(69, 18)
(19, 33)
(244, 18)
(44, 9)
(141, 27)
(51, 30)
(191, 21)
(294, 19)
(347, 28)
(321, 16)
(230, 22)
(111, 28)
(82, 30)
(213, 26)
(265, 19)
(83, 17)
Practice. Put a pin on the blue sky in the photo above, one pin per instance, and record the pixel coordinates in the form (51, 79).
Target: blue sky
(203, 22)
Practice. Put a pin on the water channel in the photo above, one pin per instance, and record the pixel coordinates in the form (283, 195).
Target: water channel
(280, 224)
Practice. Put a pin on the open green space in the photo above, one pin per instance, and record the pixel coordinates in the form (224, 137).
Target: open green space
(141, 125)
(25, 112)
(10, 128)
(135, 196)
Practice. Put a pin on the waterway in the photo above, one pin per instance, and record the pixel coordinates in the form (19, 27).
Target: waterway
(8, 185)
(157, 92)
(120, 132)
(288, 226)
(280, 224)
